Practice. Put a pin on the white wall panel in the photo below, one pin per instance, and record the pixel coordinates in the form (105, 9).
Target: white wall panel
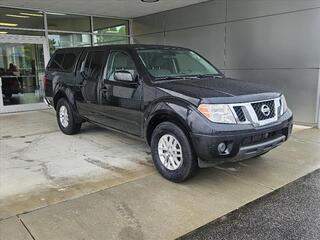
(196, 15)
(208, 41)
(281, 41)
(239, 9)
(298, 85)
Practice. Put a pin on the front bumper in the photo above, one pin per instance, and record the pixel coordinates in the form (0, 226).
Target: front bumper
(243, 144)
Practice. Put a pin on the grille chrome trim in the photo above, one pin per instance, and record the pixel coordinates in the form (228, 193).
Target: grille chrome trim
(251, 115)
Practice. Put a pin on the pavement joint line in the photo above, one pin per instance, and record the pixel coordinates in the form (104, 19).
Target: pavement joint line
(247, 204)
(27, 229)
(71, 199)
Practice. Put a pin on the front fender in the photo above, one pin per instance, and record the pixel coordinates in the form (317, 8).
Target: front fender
(178, 111)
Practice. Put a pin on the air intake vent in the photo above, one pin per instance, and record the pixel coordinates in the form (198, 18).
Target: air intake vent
(240, 113)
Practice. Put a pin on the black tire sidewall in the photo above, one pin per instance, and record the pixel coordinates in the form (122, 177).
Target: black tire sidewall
(72, 127)
(189, 165)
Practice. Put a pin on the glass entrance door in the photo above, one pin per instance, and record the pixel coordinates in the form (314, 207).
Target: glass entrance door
(22, 65)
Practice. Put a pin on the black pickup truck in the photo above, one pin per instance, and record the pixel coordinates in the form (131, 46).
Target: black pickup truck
(188, 112)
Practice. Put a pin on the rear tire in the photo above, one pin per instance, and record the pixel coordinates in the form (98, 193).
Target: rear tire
(172, 153)
(66, 118)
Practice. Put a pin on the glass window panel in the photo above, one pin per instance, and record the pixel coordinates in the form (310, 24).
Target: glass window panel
(10, 17)
(119, 61)
(56, 63)
(21, 72)
(69, 61)
(109, 39)
(110, 26)
(66, 22)
(64, 40)
(21, 32)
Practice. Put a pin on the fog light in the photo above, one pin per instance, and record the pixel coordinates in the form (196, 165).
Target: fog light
(222, 147)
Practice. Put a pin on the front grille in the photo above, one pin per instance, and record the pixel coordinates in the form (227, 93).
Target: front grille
(264, 110)
(240, 114)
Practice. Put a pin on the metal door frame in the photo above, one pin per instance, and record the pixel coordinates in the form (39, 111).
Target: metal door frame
(318, 101)
(23, 39)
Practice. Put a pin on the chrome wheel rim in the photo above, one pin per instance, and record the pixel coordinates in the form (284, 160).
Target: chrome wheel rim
(170, 152)
(64, 117)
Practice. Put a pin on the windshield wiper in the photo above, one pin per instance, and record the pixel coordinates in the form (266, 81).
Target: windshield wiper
(184, 77)
(172, 77)
(208, 75)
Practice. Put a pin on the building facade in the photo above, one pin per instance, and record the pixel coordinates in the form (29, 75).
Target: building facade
(271, 42)
(29, 37)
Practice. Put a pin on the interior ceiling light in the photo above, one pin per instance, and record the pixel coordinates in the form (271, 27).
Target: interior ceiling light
(8, 24)
(149, 1)
(31, 14)
(16, 16)
(1, 32)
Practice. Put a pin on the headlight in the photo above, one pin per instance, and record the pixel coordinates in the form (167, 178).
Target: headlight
(283, 105)
(218, 113)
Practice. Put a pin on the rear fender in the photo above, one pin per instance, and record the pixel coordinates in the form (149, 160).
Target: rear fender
(63, 91)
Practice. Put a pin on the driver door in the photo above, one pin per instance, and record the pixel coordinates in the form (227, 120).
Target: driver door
(121, 100)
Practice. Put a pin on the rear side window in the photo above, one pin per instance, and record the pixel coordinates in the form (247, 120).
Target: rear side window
(56, 62)
(93, 64)
(63, 62)
(68, 61)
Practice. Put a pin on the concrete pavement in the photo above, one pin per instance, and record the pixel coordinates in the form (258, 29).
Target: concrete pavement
(96, 197)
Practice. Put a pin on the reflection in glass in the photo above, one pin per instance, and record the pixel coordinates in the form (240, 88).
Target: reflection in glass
(66, 22)
(109, 39)
(64, 40)
(21, 71)
(4, 32)
(110, 26)
(10, 17)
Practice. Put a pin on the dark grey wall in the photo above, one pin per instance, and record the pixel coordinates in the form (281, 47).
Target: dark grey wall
(274, 42)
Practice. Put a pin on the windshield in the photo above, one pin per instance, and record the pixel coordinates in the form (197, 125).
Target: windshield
(175, 63)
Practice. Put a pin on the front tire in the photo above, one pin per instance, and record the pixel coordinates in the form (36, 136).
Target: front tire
(172, 153)
(66, 118)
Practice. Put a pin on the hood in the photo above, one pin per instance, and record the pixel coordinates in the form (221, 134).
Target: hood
(218, 90)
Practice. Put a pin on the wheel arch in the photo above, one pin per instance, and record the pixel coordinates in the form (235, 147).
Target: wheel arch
(65, 92)
(166, 116)
(60, 94)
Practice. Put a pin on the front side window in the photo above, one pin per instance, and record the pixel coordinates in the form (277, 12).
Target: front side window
(175, 63)
(120, 61)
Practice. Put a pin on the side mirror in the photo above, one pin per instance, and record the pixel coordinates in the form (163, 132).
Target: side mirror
(124, 76)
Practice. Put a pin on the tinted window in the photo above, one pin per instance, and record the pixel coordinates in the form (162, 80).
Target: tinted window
(93, 64)
(120, 61)
(68, 61)
(63, 62)
(56, 62)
